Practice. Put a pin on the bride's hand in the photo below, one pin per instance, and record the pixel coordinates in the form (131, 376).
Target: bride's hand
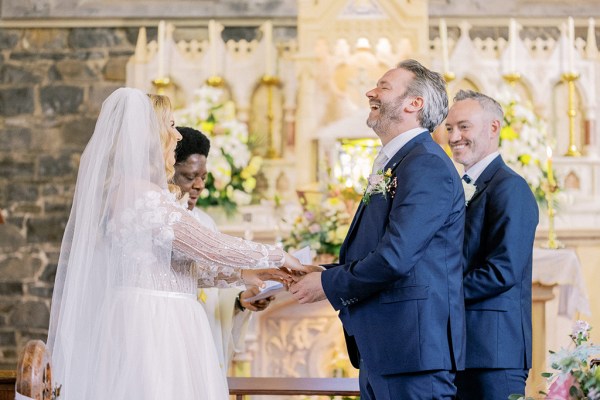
(293, 264)
(256, 277)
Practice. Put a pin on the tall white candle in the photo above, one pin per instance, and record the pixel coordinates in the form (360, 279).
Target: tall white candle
(570, 45)
(512, 46)
(161, 49)
(444, 40)
(212, 47)
(268, 40)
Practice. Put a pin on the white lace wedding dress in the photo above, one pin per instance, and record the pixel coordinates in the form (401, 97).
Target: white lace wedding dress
(125, 323)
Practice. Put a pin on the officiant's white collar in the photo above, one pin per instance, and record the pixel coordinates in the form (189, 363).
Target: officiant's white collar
(399, 141)
(476, 170)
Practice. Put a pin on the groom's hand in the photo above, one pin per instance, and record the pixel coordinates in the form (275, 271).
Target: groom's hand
(309, 289)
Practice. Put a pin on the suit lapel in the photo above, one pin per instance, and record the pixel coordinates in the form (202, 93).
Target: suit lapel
(486, 176)
(393, 163)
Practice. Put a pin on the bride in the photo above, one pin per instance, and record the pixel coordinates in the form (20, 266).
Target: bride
(124, 322)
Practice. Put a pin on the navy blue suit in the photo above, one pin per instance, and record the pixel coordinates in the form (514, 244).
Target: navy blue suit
(398, 287)
(500, 228)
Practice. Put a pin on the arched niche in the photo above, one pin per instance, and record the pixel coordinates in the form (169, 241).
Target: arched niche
(266, 119)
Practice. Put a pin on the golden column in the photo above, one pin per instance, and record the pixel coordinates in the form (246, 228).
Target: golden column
(570, 78)
(270, 81)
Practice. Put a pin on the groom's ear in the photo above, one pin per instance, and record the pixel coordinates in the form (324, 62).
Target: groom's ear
(415, 105)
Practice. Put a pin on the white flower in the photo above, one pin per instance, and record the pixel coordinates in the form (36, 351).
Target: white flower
(470, 190)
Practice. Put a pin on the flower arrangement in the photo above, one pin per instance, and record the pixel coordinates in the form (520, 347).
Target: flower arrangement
(323, 226)
(380, 183)
(575, 378)
(232, 174)
(523, 143)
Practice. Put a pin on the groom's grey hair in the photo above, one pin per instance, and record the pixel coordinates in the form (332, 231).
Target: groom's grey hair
(431, 87)
(489, 105)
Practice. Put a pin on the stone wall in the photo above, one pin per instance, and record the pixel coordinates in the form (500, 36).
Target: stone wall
(52, 84)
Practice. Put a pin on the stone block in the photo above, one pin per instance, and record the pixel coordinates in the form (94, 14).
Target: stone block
(9, 39)
(99, 93)
(15, 101)
(56, 166)
(7, 339)
(75, 70)
(78, 131)
(16, 169)
(86, 38)
(115, 69)
(30, 314)
(23, 192)
(61, 99)
(11, 289)
(49, 273)
(12, 74)
(40, 291)
(46, 229)
(56, 206)
(15, 139)
(19, 267)
(26, 208)
(37, 56)
(10, 238)
(45, 39)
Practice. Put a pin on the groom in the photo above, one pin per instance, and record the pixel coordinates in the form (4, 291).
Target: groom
(398, 286)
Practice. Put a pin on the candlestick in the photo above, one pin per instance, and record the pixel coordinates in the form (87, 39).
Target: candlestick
(512, 46)
(161, 84)
(161, 49)
(550, 173)
(212, 47)
(444, 40)
(570, 45)
(570, 78)
(268, 40)
(270, 82)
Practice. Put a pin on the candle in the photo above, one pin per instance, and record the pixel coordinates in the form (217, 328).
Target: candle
(444, 40)
(161, 49)
(268, 40)
(549, 166)
(570, 45)
(512, 46)
(212, 46)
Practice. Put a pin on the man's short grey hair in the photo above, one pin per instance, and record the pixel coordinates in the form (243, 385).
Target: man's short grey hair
(432, 88)
(488, 104)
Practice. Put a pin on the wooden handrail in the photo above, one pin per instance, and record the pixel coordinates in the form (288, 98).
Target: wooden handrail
(293, 386)
(240, 387)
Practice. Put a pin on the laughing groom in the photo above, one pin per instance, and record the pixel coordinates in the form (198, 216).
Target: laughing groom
(398, 286)
(498, 245)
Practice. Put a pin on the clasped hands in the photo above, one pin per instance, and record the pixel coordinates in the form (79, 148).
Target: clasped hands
(302, 281)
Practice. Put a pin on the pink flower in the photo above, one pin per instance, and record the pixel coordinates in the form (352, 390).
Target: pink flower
(375, 179)
(559, 389)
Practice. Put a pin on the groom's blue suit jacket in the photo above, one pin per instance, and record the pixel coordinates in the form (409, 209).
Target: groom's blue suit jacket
(501, 219)
(398, 286)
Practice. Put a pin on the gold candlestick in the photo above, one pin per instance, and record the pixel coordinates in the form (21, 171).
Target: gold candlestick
(512, 78)
(570, 78)
(161, 84)
(270, 81)
(553, 242)
(448, 77)
(215, 81)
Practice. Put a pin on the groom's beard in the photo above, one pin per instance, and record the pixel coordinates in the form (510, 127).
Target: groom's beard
(389, 115)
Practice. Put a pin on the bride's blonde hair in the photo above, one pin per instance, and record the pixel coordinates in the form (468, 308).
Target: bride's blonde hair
(162, 108)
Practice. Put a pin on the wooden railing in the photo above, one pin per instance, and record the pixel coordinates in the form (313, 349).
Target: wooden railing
(239, 387)
(293, 386)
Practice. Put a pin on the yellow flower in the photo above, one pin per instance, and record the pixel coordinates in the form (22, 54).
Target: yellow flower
(508, 133)
(207, 127)
(388, 173)
(525, 159)
(249, 184)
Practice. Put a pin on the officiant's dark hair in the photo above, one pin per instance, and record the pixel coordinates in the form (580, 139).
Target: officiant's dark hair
(192, 142)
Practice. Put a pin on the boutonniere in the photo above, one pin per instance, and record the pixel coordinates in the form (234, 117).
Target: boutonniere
(380, 183)
(470, 190)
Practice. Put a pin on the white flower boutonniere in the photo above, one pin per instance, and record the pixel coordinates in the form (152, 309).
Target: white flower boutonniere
(470, 190)
(380, 183)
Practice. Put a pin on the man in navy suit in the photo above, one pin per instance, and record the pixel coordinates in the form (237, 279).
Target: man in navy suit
(501, 219)
(398, 285)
